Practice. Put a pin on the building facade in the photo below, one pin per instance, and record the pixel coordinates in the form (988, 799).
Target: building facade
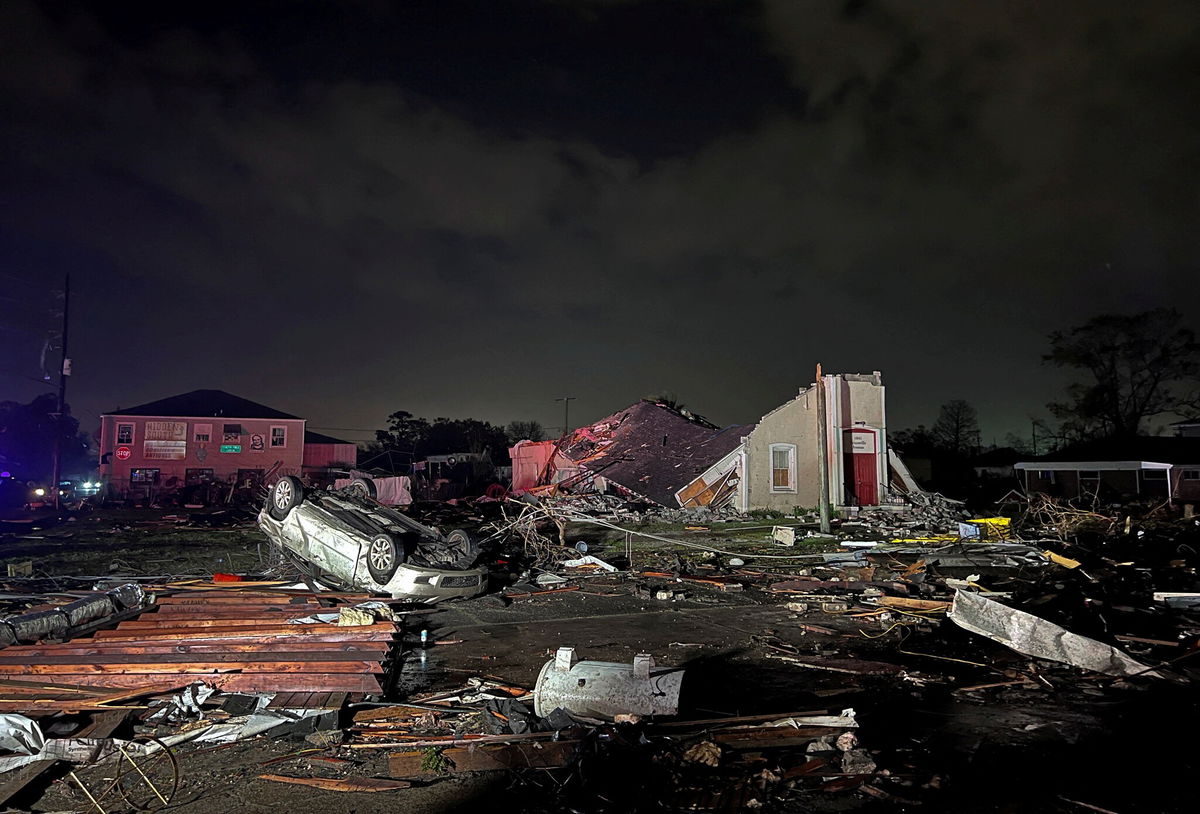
(199, 437)
(777, 465)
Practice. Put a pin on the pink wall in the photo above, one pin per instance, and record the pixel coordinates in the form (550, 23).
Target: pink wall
(158, 442)
(529, 459)
(318, 455)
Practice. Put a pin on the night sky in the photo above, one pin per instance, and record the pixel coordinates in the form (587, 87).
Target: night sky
(342, 209)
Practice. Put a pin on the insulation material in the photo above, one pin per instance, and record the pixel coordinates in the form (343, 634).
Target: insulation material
(88, 609)
(129, 595)
(1033, 636)
(31, 627)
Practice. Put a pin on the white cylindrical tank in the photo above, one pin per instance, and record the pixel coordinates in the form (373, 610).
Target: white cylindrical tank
(605, 689)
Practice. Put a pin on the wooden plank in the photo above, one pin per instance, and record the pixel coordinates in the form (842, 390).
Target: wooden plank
(904, 603)
(13, 664)
(237, 630)
(388, 637)
(237, 613)
(489, 758)
(81, 672)
(200, 646)
(237, 621)
(193, 600)
(247, 682)
(357, 785)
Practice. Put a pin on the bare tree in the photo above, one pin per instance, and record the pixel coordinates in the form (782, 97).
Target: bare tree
(957, 428)
(525, 431)
(1138, 366)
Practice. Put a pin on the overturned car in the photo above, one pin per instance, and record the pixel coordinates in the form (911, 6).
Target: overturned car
(346, 539)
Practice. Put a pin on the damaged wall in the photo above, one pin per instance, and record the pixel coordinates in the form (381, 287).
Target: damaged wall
(781, 453)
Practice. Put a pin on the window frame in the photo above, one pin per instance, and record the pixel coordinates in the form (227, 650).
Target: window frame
(1189, 474)
(271, 436)
(790, 449)
(1160, 475)
(135, 475)
(228, 437)
(204, 430)
(132, 433)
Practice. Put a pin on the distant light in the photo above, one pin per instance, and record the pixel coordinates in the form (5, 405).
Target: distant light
(39, 491)
(5, 474)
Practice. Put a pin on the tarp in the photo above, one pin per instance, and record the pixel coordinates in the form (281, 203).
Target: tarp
(1033, 636)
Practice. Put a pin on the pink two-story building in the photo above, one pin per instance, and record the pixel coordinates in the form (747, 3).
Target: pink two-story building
(196, 437)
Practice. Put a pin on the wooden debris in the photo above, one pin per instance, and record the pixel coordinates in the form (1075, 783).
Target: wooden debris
(358, 784)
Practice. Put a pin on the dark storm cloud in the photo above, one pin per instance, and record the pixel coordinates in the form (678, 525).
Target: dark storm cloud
(348, 213)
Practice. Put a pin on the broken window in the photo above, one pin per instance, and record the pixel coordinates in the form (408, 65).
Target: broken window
(279, 436)
(202, 433)
(232, 433)
(124, 433)
(783, 467)
(143, 476)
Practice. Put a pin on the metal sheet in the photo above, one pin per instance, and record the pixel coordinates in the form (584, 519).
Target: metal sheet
(1033, 636)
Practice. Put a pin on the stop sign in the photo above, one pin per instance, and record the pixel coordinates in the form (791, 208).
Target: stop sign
(123, 453)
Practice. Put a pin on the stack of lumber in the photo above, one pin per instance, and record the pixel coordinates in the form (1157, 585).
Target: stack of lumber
(241, 640)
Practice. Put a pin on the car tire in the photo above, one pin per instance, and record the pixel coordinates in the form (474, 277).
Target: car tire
(383, 558)
(362, 487)
(464, 547)
(286, 494)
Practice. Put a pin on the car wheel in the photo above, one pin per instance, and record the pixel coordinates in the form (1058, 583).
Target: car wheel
(362, 487)
(383, 558)
(286, 494)
(464, 548)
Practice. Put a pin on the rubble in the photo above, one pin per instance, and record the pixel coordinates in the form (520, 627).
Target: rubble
(359, 693)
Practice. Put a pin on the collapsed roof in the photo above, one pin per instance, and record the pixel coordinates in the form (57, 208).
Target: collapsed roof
(650, 449)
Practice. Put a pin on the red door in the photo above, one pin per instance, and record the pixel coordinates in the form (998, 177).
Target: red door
(861, 466)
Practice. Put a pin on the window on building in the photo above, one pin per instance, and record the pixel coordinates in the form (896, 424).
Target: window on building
(1190, 474)
(231, 434)
(194, 476)
(124, 433)
(202, 433)
(1154, 474)
(143, 476)
(1046, 475)
(279, 436)
(1092, 476)
(783, 467)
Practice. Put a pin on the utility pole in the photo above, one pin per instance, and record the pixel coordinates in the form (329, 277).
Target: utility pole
(566, 400)
(64, 370)
(822, 453)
